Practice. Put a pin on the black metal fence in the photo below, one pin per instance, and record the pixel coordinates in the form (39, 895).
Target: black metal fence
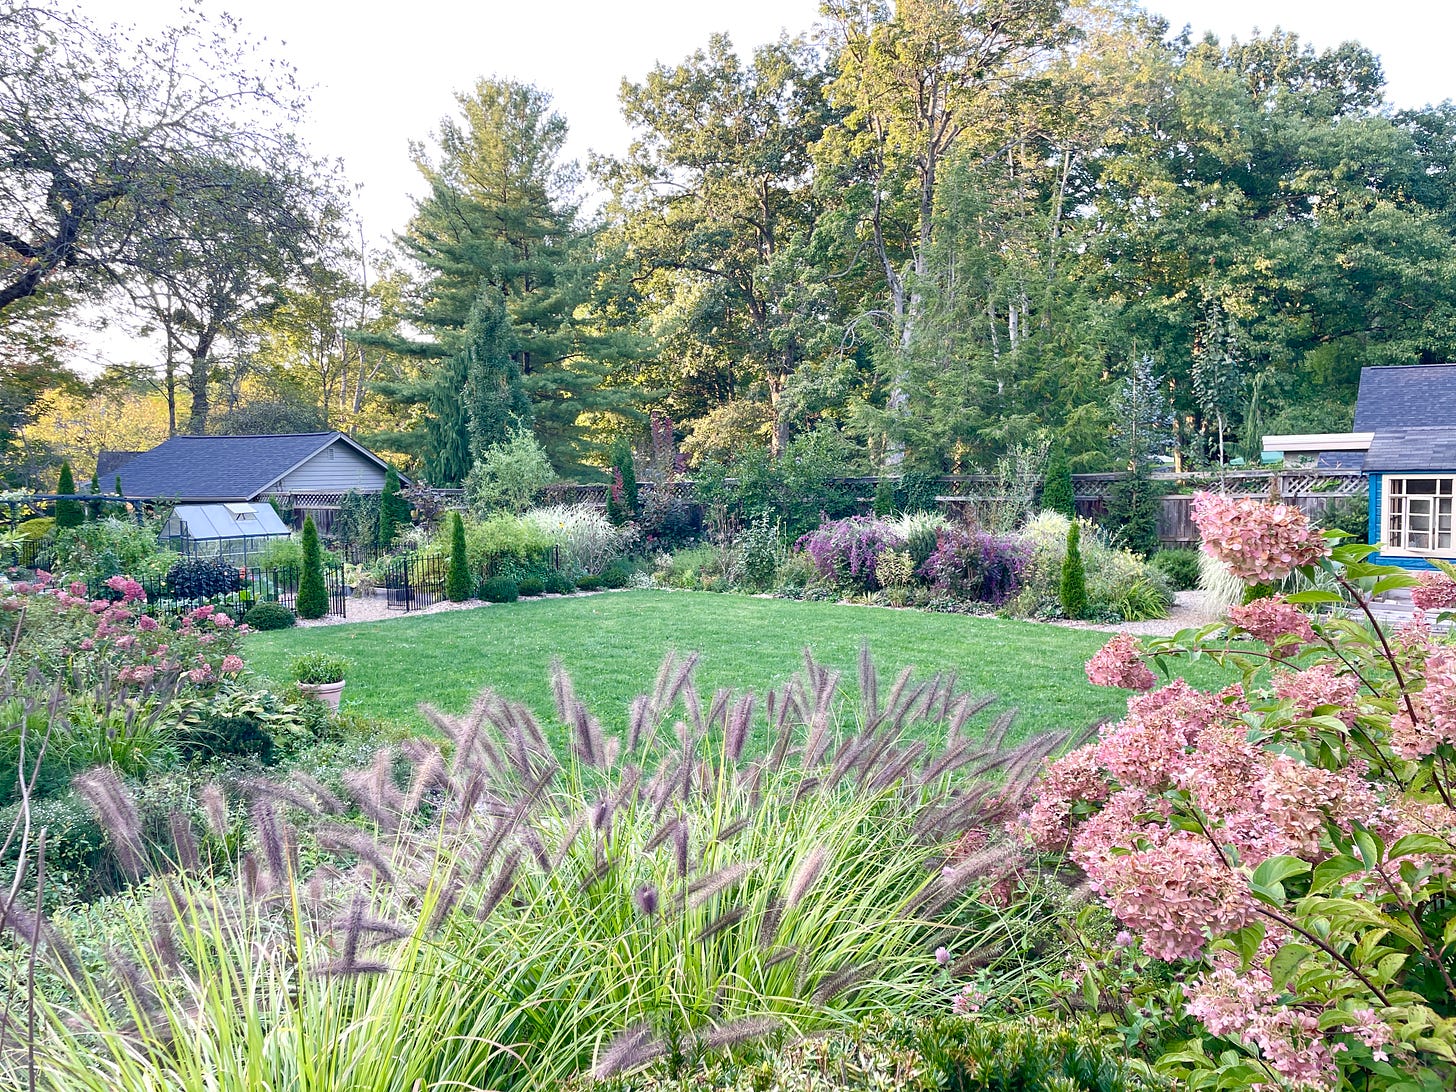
(414, 583)
(259, 586)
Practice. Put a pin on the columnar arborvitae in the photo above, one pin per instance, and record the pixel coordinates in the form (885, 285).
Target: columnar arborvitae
(1073, 590)
(394, 511)
(1059, 495)
(69, 513)
(457, 582)
(313, 597)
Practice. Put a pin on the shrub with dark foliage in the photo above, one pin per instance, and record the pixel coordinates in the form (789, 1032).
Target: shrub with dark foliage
(203, 578)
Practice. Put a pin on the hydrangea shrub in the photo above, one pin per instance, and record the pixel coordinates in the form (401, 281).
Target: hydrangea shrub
(1288, 844)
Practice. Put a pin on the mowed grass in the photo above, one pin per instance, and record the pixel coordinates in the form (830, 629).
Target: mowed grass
(613, 643)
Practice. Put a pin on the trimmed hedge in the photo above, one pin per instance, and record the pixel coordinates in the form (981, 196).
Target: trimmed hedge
(499, 589)
(267, 616)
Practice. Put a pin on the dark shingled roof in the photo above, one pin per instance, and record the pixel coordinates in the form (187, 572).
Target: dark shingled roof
(1413, 396)
(220, 467)
(1412, 449)
(108, 463)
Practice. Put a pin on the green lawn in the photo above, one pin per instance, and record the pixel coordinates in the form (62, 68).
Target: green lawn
(612, 645)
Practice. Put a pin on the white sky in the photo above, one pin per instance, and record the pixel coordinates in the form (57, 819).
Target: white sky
(383, 73)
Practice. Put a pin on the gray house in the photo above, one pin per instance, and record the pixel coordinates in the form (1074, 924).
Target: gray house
(308, 472)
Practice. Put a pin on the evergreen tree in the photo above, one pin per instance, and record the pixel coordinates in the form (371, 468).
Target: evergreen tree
(499, 229)
(457, 582)
(1073, 589)
(69, 513)
(394, 510)
(1059, 494)
(313, 597)
(622, 490)
(494, 397)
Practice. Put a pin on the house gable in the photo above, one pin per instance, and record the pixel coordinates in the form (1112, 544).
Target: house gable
(336, 468)
(242, 468)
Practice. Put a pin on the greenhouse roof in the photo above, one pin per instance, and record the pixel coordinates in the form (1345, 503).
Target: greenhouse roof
(210, 521)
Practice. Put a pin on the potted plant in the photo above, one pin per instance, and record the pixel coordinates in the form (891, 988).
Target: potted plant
(321, 676)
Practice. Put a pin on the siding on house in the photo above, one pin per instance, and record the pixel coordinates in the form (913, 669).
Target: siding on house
(336, 469)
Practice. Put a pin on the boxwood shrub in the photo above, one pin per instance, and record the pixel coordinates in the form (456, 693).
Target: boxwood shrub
(499, 589)
(531, 586)
(267, 616)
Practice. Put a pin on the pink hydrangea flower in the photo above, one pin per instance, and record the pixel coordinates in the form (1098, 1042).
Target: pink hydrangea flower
(1074, 777)
(222, 621)
(1260, 543)
(130, 590)
(1119, 663)
(1243, 1004)
(1169, 886)
(1436, 591)
(968, 1001)
(1153, 740)
(231, 665)
(200, 674)
(1435, 708)
(147, 623)
(1319, 687)
(1273, 620)
(79, 590)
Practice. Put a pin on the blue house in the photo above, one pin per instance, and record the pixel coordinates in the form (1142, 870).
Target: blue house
(1410, 414)
(1404, 442)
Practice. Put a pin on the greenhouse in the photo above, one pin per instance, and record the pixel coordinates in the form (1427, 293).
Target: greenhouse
(236, 531)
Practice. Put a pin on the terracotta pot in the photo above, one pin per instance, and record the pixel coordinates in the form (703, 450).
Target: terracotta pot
(329, 693)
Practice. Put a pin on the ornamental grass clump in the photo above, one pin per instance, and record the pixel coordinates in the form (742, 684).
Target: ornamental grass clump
(730, 869)
(1287, 843)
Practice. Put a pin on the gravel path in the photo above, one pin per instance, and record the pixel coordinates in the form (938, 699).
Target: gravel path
(373, 608)
(1188, 610)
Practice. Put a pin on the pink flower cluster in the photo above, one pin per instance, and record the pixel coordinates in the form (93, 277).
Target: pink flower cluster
(1435, 591)
(91, 641)
(1260, 543)
(1178, 888)
(1119, 663)
(1275, 621)
(1321, 687)
(1242, 1003)
(1435, 711)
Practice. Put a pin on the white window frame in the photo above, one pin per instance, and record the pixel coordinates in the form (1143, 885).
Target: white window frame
(1390, 527)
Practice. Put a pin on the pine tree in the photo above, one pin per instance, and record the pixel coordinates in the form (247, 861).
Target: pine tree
(1073, 589)
(69, 513)
(622, 490)
(1059, 495)
(458, 583)
(511, 245)
(394, 510)
(313, 597)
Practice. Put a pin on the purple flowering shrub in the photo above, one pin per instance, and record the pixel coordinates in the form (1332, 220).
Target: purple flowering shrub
(976, 565)
(845, 551)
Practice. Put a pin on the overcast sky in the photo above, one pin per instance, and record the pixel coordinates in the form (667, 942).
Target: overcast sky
(384, 73)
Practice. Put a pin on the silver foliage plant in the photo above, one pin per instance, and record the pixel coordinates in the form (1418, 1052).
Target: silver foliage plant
(732, 867)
